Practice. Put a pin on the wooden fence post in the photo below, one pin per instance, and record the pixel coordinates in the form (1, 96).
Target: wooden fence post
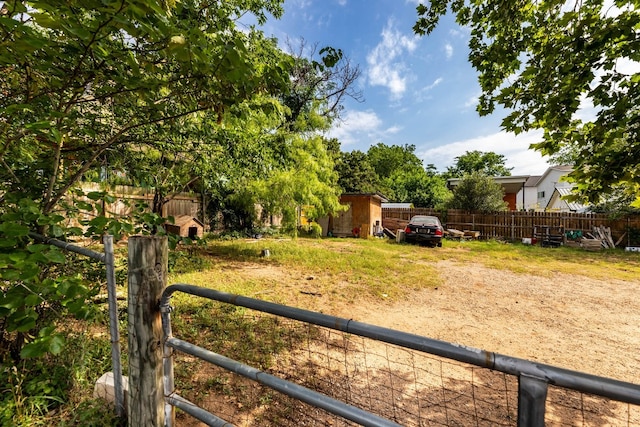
(148, 257)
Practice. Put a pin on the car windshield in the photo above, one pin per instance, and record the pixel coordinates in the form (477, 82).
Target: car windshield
(424, 220)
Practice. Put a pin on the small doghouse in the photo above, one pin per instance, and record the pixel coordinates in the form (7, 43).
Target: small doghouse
(186, 226)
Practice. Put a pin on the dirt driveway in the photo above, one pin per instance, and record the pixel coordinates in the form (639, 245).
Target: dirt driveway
(569, 321)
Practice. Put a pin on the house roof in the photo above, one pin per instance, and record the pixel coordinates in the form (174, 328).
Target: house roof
(532, 181)
(510, 184)
(562, 168)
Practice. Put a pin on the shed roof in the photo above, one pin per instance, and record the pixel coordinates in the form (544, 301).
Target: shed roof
(397, 205)
(377, 196)
(181, 220)
(510, 184)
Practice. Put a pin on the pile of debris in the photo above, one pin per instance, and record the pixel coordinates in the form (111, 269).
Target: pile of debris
(599, 238)
(452, 233)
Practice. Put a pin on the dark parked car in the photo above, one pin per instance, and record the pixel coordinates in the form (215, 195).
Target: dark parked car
(425, 230)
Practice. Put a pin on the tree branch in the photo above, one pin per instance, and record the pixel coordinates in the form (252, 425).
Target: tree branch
(101, 149)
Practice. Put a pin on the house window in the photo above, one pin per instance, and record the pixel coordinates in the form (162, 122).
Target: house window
(540, 194)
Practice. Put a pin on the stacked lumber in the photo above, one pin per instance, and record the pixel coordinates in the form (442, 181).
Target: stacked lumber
(604, 233)
(472, 234)
(455, 234)
(591, 244)
(452, 233)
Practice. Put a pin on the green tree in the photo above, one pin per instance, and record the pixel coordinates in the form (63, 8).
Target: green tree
(91, 82)
(82, 79)
(478, 192)
(488, 163)
(542, 61)
(387, 159)
(308, 179)
(418, 187)
(355, 174)
(320, 80)
(300, 161)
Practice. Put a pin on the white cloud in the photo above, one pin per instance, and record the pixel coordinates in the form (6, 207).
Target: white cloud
(435, 83)
(515, 149)
(385, 67)
(358, 126)
(342, 2)
(472, 101)
(424, 93)
(448, 50)
(458, 32)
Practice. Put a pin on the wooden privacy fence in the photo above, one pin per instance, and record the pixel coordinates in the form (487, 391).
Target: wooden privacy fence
(516, 225)
(177, 204)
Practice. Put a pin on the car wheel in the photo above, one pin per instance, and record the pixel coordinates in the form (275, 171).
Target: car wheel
(439, 244)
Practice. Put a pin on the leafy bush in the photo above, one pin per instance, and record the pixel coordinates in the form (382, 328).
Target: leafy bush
(312, 229)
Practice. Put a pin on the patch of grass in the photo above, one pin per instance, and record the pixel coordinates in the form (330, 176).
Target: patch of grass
(356, 269)
(536, 260)
(362, 268)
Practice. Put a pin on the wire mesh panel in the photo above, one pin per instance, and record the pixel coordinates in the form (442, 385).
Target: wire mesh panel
(571, 408)
(409, 387)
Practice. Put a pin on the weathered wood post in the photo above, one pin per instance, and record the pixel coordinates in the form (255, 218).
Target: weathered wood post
(148, 256)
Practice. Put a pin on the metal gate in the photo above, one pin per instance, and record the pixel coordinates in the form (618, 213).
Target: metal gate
(533, 379)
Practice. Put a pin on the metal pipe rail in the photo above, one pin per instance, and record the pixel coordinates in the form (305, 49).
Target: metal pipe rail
(533, 377)
(108, 259)
(296, 391)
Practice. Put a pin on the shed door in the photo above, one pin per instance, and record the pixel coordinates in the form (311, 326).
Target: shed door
(342, 223)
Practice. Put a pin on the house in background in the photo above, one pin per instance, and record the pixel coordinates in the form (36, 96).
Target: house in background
(512, 186)
(548, 182)
(361, 219)
(527, 198)
(536, 192)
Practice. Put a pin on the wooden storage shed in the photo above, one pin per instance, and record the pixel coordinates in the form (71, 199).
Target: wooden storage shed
(186, 226)
(362, 218)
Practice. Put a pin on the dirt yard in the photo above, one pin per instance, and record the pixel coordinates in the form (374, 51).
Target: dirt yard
(567, 321)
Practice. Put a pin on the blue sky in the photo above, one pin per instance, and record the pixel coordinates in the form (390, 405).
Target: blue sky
(417, 90)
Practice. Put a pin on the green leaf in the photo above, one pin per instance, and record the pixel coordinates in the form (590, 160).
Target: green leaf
(55, 255)
(99, 222)
(56, 344)
(32, 300)
(33, 349)
(57, 231)
(7, 242)
(27, 324)
(11, 301)
(84, 206)
(13, 229)
(45, 124)
(95, 195)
